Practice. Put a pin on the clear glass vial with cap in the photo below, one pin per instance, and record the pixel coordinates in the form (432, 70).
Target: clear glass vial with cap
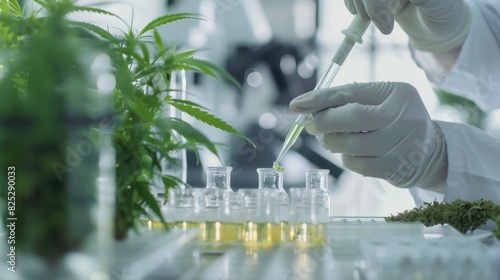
(218, 182)
(318, 179)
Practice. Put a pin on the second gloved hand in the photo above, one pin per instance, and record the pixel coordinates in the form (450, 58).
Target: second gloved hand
(382, 130)
(432, 25)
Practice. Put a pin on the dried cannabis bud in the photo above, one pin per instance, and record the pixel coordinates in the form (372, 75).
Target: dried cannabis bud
(460, 214)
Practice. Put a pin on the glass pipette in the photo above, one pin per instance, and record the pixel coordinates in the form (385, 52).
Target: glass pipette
(353, 35)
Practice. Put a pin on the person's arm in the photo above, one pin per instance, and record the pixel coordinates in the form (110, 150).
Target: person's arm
(456, 42)
(432, 26)
(383, 130)
(473, 163)
(473, 70)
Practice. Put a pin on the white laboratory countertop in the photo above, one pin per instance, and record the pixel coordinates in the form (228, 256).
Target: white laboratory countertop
(156, 254)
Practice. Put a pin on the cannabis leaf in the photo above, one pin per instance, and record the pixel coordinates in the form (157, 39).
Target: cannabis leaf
(201, 114)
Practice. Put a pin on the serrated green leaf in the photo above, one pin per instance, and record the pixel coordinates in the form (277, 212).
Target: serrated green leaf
(143, 190)
(166, 19)
(170, 181)
(145, 53)
(95, 29)
(92, 10)
(15, 8)
(214, 71)
(186, 102)
(189, 133)
(186, 54)
(158, 40)
(206, 117)
(140, 108)
(154, 157)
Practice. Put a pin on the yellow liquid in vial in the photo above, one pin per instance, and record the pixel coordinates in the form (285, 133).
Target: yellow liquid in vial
(285, 231)
(150, 224)
(308, 233)
(220, 232)
(185, 225)
(262, 235)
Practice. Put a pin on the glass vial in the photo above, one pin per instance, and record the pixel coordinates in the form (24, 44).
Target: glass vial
(308, 216)
(271, 179)
(318, 179)
(218, 182)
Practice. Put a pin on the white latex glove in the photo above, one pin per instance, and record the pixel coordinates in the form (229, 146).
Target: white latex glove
(432, 25)
(382, 130)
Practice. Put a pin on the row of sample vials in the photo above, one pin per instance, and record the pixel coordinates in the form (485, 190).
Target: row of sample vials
(257, 217)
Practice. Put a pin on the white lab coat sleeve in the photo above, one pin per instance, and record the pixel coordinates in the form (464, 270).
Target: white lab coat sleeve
(473, 163)
(476, 73)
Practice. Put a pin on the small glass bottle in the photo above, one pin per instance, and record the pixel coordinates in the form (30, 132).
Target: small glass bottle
(271, 179)
(218, 182)
(222, 208)
(318, 179)
(223, 224)
(308, 216)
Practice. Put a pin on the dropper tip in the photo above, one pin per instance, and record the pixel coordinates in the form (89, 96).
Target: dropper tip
(277, 166)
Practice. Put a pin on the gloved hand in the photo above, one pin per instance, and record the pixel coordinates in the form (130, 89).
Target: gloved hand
(432, 25)
(382, 130)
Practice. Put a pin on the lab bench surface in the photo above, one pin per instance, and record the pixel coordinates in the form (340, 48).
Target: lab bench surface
(157, 254)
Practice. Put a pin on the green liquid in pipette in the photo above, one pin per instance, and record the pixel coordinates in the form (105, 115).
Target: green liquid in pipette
(292, 136)
(294, 133)
(358, 25)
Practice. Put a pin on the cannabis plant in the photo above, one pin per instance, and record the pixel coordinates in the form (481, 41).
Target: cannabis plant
(48, 101)
(144, 136)
(143, 65)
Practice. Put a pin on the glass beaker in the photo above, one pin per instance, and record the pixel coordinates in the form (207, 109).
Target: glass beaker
(308, 216)
(218, 182)
(318, 179)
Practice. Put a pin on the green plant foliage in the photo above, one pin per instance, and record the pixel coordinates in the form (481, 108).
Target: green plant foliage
(143, 135)
(45, 84)
(460, 214)
(143, 66)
